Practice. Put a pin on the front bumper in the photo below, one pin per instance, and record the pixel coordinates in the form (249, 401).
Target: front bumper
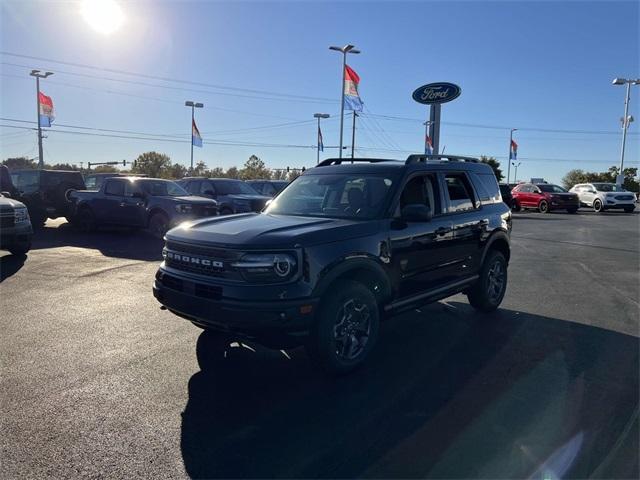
(17, 234)
(206, 305)
(609, 202)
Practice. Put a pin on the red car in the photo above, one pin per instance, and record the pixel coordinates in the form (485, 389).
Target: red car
(544, 197)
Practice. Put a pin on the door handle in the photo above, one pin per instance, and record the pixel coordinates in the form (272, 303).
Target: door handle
(122, 204)
(443, 231)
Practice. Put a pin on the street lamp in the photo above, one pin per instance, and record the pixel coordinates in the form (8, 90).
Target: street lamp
(626, 121)
(344, 50)
(38, 74)
(515, 172)
(319, 116)
(509, 157)
(193, 106)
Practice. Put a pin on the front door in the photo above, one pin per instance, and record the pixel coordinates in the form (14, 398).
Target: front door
(420, 251)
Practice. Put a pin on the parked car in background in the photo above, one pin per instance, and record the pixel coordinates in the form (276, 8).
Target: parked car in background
(604, 196)
(544, 197)
(93, 181)
(385, 237)
(134, 202)
(269, 188)
(505, 191)
(233, 196)
(15, 226)
(44, 192)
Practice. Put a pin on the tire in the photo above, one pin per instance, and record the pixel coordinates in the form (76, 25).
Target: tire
(85, 220)
(543, 206)
(629, 209)
(20, 248)
(597, 206)
(346, 328)
(226, 211)
(211, 349)
(158, 225)
(487, 293)
(572, 210)
(516, 206)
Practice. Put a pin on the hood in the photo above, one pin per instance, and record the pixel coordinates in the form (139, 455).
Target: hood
(9, 203)
(259, 230)
(193, 199)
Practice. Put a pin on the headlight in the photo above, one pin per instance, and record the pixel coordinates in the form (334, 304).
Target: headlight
(22, 215)
(183, 208)
(267, 267)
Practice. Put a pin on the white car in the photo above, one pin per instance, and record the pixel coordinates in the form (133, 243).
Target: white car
(604, 196)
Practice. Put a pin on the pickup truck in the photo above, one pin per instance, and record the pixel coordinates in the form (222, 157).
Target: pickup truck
(135, 202)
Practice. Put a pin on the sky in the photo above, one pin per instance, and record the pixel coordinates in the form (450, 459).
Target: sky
(262, 69)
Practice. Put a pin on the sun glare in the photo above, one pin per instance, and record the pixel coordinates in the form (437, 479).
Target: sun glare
(104, 16)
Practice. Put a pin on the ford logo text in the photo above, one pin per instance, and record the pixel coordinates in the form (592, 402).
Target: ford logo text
(441, 92)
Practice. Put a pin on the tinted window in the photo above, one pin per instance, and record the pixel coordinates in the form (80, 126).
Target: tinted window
(26, 182)
(207, 188)
(234, 187)
(268, 189)
(162, 188)
(551, 188)
(487, 187)
(90, 183)
(114, 187)
(421, 190)
(460, 193)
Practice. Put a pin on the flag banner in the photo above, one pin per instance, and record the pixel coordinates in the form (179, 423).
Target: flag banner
(320, 142)
(45, 110)
(352, 99)
(428, 146)
(196, 139)
(513, 153)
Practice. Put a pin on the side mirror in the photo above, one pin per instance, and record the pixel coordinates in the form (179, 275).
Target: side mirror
(416, 212)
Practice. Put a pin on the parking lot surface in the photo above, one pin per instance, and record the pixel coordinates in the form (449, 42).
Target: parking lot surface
(98, 381)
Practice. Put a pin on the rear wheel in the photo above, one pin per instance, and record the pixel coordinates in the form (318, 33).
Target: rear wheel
(158, 225)
(597, 206)
(346, 328)
(543, 206)
(85, 220)
(487, 293)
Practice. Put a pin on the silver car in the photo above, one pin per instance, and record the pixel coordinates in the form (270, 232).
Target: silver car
(604, 196)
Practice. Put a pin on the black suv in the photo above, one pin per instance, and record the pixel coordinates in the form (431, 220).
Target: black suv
(340, 247)
(233, 196)
(270, 188)
(45, 192)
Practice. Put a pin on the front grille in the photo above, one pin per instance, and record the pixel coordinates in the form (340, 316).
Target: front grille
(7, 221)
(172, 282)
(210, 292)
(624, 197)
(218, 253)
(212, 262)
(195, 268)
(205, 211)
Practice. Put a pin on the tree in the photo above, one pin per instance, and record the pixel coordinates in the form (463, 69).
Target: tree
(215, 173)
(232, 172)
(105, 169)
(63, 166)
(153, 164)
(573, 177)
(495, 166)
(178, 171)
(254, 168)
(279, 174)
(293, 174)
(19, 163)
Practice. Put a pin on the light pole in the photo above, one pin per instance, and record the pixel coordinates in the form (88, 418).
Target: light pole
(39, 75)
(515, 171)
(344, 50)
(625, 122)
(319, 116)
(193, 106)
(509, 157)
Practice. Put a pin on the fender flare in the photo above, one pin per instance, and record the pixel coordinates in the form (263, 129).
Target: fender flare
(498, 236)
(353, 267)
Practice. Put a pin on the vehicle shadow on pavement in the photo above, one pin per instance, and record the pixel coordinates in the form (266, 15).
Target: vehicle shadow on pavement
(448, 393)
(10, 265)
(113, 242)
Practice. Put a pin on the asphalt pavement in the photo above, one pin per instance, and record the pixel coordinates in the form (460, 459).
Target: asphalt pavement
(97, 381)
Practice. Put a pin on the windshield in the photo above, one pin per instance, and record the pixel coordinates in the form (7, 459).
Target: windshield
(551, 188)
(334, 196)
(608, 187)
(163, 188)
(234, 187)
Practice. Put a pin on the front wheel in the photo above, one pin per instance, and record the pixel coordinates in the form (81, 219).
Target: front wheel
(158, 225)
(515, 206)
(597, 206)
(346, 328)
(488, 291)
(543, 206)
(20, 247)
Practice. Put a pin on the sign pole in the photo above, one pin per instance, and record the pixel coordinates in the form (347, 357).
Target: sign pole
(434, 127)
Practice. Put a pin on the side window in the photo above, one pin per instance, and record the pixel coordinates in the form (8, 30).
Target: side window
(268, 189)
(130, 188)
(461, 197)
(114, 187)
(486, 187)
(525, 189)
(258, 186)
(207, 188)
(90, 183)
(421, 190)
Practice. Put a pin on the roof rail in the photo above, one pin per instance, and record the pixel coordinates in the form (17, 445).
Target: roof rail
(416, 158)
(338, 161)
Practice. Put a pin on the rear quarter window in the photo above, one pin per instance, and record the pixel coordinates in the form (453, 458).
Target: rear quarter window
(487, 188)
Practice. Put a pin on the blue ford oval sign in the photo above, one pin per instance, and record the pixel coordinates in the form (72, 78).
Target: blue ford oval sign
(440, 92)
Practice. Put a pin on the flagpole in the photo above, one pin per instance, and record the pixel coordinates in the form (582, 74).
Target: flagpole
(193, 110)
(509, 157)
(38, 75)
(318, 142)
(353, 134)
(344, 50)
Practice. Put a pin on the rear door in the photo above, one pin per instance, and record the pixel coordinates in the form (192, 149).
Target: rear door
(587, 194)
(421, 252)
(107, 207)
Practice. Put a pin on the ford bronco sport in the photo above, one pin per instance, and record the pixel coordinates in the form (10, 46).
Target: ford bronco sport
(342, 246)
